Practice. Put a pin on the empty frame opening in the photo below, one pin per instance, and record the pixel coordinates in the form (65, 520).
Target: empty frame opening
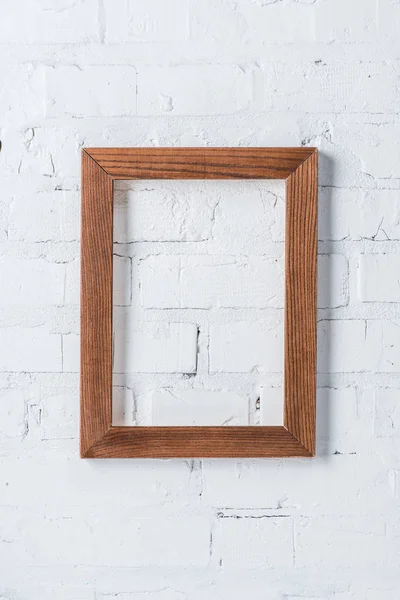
(198, 297)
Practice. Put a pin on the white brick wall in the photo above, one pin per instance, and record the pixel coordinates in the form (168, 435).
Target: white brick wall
(382, 268)
(153, 348)
(351, 541)
(246, 346)
(17, 84)
(19, 281)
(340, 22)
(147, 22)
(271, 406)
(233, 533)
(103, 91)
(359, 346)
(199, 296)
(12, 414)
(30, 349)
(46, 22)
(351, 214)
(150, 211)
(363, 87)
(37, 216)
(211, 282)
(198, 408)
(194, 89)
(387, 413)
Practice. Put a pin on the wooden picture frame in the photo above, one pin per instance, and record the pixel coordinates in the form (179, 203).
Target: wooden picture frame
(100, 167)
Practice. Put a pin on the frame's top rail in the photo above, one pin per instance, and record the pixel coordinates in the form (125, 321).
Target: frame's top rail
(200, 163)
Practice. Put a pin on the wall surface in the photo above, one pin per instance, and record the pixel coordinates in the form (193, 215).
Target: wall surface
(175, 73)
(198, 302)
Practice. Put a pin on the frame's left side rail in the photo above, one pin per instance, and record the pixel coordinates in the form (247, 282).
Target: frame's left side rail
(96, 302)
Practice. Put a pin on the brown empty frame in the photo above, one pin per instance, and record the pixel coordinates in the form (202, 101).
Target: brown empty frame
(100, 167)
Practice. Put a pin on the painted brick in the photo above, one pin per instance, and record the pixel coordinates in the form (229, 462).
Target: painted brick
(336, 214)
(70, 353)
(244, 542)
(233, 484)
(49, 151)
(163, 211)
(381, 595)
(271, 406)
(382, 224)
(199, 408)
(12, 413)
(49, 551)
(170, 594)
(21, 93)
(19, 281)
(29, 349)
(53, 469)
(194, 90)
(388, 18)
(103, 91)
(161, 542)
(153, 21)
(333, 281)
(72, 282)
(44, 23)
(205, 22)
(350, 214)
(374, 145)
(358, 345)
(247, 210)
(154, 347)
(337, 21)
(339, 427)
(246, 346)
(382, 268)
(211, 282)
(59, 416)
(265, 19)
(143, 409)
(123, 406)
(387, 412)
(230, 483)
(122, 280)
(158, 541)
(257, 24)
(332, 87)
(3, 221)
(390, 346)
(351, 541)
(29, 155)
(354, 215)
(303, 598)
(44, 216)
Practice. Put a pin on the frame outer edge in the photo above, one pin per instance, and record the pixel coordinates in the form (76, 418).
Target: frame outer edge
(96, 303)
(97, 435)
(301, 302)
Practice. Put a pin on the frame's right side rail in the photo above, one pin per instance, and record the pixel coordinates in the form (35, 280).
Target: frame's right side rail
(301, 302)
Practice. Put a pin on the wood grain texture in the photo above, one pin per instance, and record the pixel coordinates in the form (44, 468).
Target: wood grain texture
(301, 302)
(197, 442)
(96, 302)
(199, 163)
(100, 166)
